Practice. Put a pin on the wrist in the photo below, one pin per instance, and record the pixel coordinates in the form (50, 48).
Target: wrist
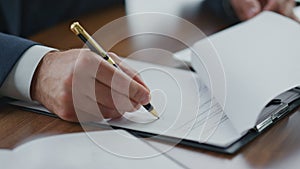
(36, 91)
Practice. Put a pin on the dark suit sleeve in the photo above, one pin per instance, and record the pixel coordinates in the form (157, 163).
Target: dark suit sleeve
(11, 49)
(222, 9)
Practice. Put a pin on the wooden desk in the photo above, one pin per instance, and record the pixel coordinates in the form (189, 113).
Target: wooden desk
(278, 148)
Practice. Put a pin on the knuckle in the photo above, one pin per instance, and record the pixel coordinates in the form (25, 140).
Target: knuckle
(137, 106)
(117, 114)
(86, 58)
(133, 107)
(112, 113)
(140, 95)
(137, 93)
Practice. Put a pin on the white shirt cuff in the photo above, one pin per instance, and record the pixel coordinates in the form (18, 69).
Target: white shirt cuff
(17, 84)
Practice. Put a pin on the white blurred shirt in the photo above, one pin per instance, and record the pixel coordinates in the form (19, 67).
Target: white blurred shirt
(17, 84)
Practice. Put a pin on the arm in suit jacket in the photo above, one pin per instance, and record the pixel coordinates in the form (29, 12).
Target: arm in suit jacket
(11, 49)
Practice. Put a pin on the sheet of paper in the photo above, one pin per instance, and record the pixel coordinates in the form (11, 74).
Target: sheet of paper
(260, 60)
(30, 106)
(185, 106)
(184, 56)
(105, 149)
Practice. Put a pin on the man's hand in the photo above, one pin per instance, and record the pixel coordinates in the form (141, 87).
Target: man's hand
(80, 81)
(246, 9)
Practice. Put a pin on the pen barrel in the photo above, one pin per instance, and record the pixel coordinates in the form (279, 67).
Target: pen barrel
(89, 41)
(148, 107)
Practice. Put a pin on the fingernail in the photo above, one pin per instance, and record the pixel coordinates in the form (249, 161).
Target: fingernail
(252, 11)
(145, 99)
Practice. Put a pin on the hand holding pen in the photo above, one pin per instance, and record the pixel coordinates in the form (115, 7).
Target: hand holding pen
(95, 47)
(78, 84)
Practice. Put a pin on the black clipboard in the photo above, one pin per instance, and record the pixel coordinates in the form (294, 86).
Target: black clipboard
(234, 147)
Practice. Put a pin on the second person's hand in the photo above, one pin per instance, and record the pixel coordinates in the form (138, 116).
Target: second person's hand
(246, 9)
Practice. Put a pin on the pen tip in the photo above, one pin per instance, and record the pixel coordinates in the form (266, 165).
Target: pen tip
(154, 113)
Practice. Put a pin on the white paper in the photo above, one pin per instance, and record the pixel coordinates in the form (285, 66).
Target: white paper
(184, 106)
(114, 149)
(260, 60)
(184, 56)
(30, 106)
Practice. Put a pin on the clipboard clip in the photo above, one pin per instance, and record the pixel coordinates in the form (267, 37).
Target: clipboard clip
(283, 104)
(276, 114)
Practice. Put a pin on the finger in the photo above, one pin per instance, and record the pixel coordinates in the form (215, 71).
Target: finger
(68, 116)
(122, 83)
(287, 9)
(66, 110)
(263, 3)
(110, 113)
(89, 110)
(114, 100)
(86, 112)
(284, 7)
(295, 17)
(272, 5)
(128, 70)
(102, 112)
(92, 111)
(246, 9)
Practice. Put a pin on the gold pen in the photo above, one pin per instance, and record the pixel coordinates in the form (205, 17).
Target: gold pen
(79, 31)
